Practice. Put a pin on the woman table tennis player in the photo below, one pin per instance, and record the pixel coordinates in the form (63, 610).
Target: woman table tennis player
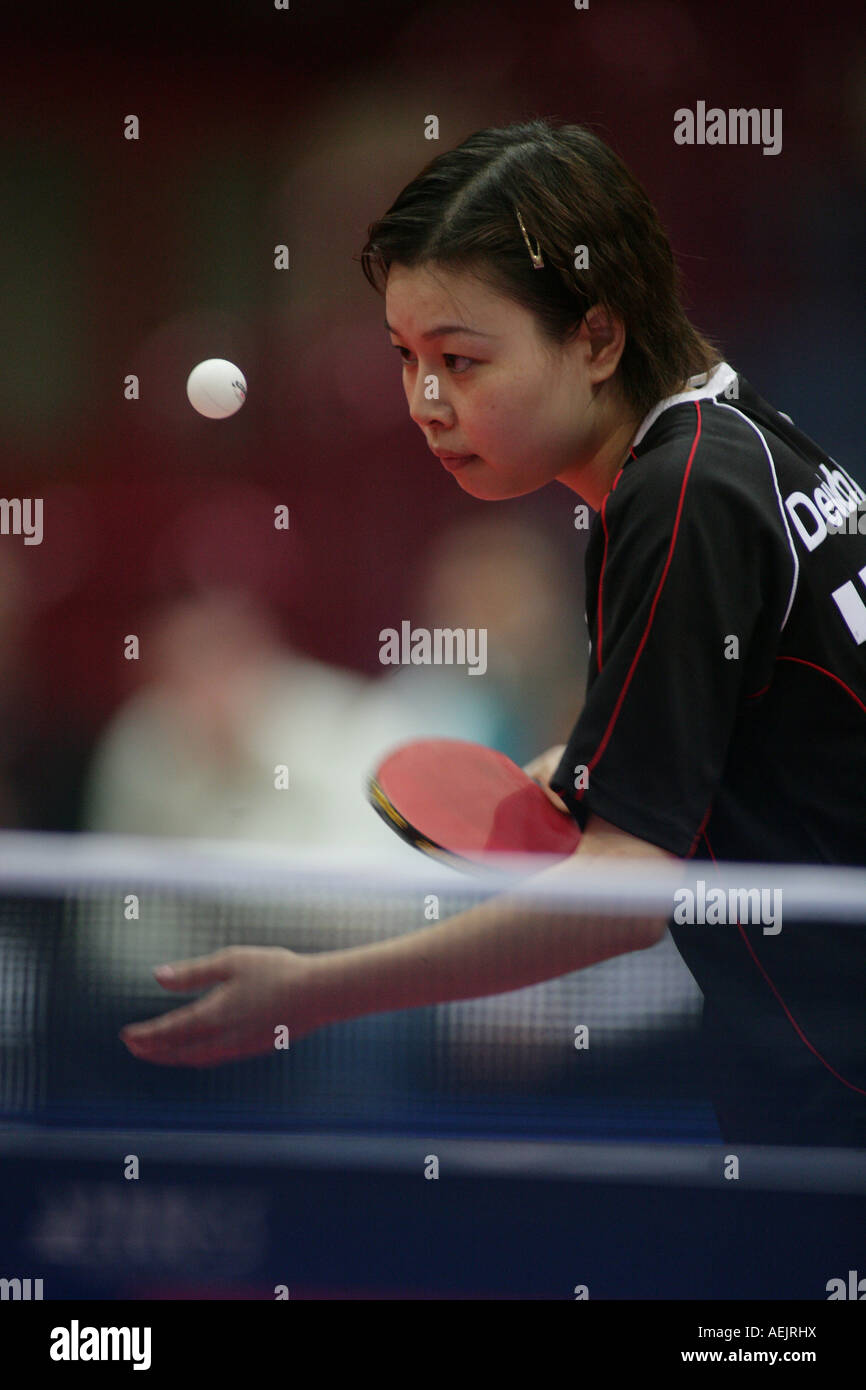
(533, 299)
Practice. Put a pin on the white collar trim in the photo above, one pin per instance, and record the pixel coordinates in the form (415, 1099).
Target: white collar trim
(700, 388)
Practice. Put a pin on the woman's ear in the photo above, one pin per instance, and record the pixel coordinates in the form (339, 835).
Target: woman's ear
(605, 332)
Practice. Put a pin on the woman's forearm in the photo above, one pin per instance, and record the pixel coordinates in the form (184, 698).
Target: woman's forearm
(503, 944)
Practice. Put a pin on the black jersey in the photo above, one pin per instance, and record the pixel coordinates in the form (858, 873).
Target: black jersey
(725, 719)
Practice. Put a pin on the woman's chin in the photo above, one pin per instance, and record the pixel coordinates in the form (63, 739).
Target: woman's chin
(484, 489)
(489, 486)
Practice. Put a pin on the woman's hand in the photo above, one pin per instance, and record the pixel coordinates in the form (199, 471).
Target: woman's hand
(542, 768)
(259, 992)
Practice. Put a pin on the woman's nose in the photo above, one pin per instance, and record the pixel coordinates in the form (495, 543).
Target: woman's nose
(426, 406)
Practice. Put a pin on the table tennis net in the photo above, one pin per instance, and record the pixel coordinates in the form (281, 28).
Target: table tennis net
(609, 1051)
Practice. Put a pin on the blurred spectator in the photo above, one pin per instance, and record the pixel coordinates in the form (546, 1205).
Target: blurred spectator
(194, 752)
(511, 579)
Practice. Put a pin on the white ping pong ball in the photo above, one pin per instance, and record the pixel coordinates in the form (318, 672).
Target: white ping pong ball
(216, 388)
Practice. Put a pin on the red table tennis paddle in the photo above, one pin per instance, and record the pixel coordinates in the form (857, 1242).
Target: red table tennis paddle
(460, 801)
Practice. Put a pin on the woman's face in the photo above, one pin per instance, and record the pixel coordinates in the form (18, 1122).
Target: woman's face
(526, 412)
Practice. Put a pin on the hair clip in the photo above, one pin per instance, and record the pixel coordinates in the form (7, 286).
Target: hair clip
(535, 255)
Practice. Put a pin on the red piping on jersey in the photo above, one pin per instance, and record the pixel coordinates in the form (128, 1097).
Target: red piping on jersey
(790, 1017)
(631, 670)
(801, 662)
(700, 831)
(604, 562)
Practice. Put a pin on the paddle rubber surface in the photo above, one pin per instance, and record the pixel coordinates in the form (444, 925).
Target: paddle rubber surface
(466, 800)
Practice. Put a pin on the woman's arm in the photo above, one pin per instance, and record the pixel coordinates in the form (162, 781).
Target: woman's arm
(503, 944)
(500, 945)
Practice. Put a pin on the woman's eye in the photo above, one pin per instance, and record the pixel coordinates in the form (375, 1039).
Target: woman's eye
(449, 358)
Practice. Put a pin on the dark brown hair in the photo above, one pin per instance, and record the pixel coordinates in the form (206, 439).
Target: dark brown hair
(572, 190)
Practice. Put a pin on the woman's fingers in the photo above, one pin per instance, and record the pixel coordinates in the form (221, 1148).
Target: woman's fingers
(197, 973)
(191, 1024)
(546, 763)
(542, 768)
(552, 797)
(258, 989)
(226, 1044)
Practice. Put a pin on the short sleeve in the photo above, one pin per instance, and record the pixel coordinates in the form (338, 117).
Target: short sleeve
(688, 581)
